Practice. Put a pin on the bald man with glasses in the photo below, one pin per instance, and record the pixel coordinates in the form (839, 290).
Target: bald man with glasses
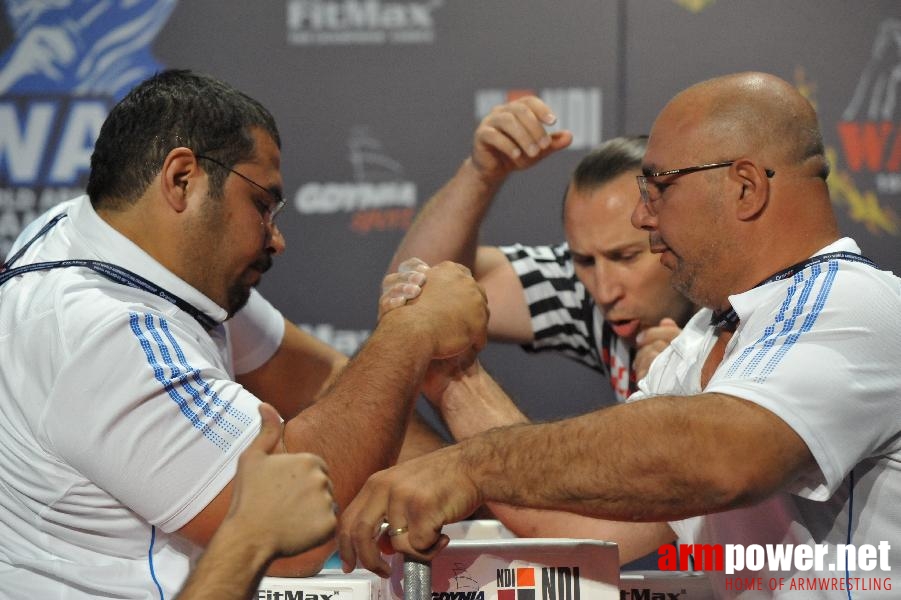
(773, 420)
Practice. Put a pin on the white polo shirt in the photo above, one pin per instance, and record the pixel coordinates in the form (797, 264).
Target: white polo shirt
(822, 351)
(121, 418)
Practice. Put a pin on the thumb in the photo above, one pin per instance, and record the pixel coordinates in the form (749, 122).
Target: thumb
(270, 430)
(413, 264)
(561, 139)
(667, 322)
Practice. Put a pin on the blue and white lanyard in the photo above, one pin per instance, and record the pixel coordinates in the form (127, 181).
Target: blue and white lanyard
(112, 272)
(728, 319)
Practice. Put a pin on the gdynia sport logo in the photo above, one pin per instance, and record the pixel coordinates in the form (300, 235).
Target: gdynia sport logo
(805, 567)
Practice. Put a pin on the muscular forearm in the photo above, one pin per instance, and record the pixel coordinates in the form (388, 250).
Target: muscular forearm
(474, 402)
(613, 463)
(447, 227)
(358, 425)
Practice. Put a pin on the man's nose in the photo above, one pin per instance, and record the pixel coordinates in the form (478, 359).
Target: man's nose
(607, 286)
(276, 240)
(642, 218)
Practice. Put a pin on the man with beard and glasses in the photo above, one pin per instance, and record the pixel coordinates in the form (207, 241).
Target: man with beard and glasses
(772, 421)
(136, 352)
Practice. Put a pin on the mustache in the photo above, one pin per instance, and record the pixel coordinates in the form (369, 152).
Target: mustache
(262, 264)
(655, 241)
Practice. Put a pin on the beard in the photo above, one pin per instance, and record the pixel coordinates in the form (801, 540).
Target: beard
(237, 297)
(699, 278)
(685, 281)
(239, 293)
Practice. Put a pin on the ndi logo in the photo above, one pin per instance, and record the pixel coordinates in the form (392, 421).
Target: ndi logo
(360, 22)
(577, 109)
(557, 583)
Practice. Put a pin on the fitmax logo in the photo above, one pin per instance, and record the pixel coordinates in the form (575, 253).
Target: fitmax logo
(346, 341)
(647, 594)
(356, 22)
(292, 595)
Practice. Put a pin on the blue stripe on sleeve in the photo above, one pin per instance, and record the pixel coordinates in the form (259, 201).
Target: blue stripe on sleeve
(230, 409)
(785, 321)
(205, 426)
(182, 377)
(808, 323)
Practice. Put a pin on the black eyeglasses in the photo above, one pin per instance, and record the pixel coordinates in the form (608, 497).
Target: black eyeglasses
(268, 211)
(643, 179)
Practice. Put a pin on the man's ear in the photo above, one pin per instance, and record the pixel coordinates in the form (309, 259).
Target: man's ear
(180, 171)
(755, 188)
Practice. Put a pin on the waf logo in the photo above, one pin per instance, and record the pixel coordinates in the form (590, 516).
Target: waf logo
(545, 583)
(69, 61)
(870, 136)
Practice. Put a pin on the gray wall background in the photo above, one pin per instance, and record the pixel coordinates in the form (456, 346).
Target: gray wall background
(377, 102)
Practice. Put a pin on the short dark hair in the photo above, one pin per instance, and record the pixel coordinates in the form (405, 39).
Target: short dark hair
(607, 162)
(610, 160)
(171, 109)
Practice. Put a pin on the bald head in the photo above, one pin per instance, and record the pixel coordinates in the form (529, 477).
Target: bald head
(763, 206)
(752, 114)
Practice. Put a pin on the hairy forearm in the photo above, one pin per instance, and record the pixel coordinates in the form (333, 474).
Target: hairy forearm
(476, 403)
(358, 424)
(655, 460)
(447, 227)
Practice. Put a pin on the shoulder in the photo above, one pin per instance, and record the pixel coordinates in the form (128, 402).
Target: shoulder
(549, 261)
(835, 292)
(543, 252)
(35, 226)
(87, 305)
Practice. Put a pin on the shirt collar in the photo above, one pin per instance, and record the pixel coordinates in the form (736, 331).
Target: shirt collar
(745, 302)
(111, 246)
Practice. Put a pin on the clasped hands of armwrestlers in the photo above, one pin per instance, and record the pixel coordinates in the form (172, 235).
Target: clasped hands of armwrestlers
(403, 285)
(453, 307)
(388, 515)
